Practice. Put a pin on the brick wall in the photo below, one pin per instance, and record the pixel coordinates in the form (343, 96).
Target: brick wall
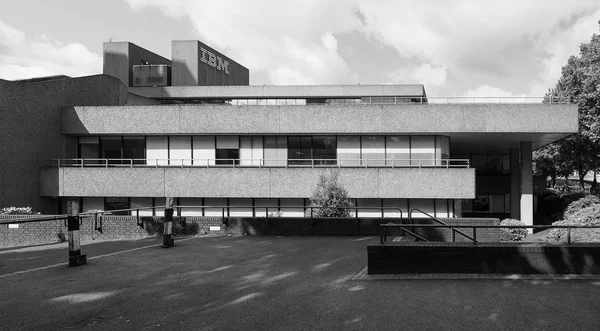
(126, 227)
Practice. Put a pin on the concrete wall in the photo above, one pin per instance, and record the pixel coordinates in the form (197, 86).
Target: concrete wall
(330, 119)
(426, 183)
(30, 133)
(281, 91)
(189, 70)
(119, 58)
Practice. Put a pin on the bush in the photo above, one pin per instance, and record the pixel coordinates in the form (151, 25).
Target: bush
(16, 210)
(581, 204)
(589, 215)
(329, 193)
(512, 234)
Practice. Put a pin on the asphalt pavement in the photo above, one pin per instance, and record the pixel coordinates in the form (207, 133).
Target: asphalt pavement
(267, 283)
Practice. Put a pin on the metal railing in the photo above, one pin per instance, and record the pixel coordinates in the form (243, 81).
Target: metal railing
(383, 228)
(263, 163)
(454, 231)
(385, 100)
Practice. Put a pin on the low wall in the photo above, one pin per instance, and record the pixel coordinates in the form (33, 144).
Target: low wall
(445, 234)
(501, 258)
(125, 227)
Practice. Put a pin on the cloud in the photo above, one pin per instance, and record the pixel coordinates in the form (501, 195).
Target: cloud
(516, 46)
(426, 74)
(22, 57)
(288, 44)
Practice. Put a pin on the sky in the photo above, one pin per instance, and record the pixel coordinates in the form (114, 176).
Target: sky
(454, 48)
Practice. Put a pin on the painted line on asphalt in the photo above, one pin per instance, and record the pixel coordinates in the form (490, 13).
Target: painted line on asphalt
(90, 258)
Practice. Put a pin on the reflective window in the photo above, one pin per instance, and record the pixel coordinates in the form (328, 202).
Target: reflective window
(325, 150)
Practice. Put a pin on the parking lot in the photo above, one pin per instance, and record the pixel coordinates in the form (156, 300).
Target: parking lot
(266, 283)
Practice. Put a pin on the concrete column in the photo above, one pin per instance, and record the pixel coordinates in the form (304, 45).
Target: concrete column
(526, 184)
(515, 184)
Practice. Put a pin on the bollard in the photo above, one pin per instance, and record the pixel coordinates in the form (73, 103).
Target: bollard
(75, 256)
(168, 239)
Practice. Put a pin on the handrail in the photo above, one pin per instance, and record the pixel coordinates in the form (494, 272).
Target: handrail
(383, 232)
(263, 163)
(483, 226)
(383, 100)
(441, 222)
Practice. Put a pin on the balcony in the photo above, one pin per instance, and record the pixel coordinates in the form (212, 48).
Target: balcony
(263, 163)
(425, 179)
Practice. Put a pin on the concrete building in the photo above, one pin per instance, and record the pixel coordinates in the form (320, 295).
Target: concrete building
(192, 128)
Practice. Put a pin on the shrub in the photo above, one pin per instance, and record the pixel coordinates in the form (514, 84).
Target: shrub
(329, 193)
(589, 215)
(581, 204)
(16, 210)
(512, 234)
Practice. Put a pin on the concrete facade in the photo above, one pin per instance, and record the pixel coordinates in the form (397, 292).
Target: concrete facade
(195, 63)
(30, 136)
(539, 123)
(120, 57)
(405, 183)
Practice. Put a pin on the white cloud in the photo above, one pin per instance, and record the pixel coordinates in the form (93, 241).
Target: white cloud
(291, 44)
(426, 74)
(518, 46)
(22, 57)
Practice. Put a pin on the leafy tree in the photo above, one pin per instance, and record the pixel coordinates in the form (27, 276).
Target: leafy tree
(580, 84)
(331, 194)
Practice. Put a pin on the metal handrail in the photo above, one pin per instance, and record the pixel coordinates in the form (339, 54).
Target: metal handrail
(441, 222)
(263, 163)
(484, 226)
(386, 100)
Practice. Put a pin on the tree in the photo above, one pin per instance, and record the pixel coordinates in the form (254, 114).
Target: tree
(331, 194)
(580, 84)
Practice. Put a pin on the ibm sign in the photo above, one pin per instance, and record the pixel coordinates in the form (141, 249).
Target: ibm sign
(214, 61)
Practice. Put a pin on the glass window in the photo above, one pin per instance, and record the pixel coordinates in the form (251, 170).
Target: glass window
(180, 150)
(348, 150)
(204, 150)
(299, 150)
(479, 163)
(275, 151)
(397, 151)
(117, 204)
(89, 148)
(325, 150)
(481, 203)
(373, 150)
(228, 150)
(111, 149)
(134, 148)
(227, 156)
(422, 150)
(157, 150)
(494, 164)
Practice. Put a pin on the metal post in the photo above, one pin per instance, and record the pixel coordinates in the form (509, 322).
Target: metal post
(75, 257)
(569, 236)
(168, 241)
(453, 235)
(474, 235)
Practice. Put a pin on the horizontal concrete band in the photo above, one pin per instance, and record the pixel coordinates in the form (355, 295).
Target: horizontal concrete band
(255, 183)
(538, 119)
(284, 91)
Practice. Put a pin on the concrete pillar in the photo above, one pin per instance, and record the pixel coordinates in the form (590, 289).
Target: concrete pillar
(515, 184)
(526, 184)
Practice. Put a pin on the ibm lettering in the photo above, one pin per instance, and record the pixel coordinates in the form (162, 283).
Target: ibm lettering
(214, 61)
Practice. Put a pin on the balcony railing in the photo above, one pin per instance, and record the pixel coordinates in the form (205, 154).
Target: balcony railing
(380, 101)
(263, 163)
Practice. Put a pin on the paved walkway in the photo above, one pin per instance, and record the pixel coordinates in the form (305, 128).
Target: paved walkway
(267, 283)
